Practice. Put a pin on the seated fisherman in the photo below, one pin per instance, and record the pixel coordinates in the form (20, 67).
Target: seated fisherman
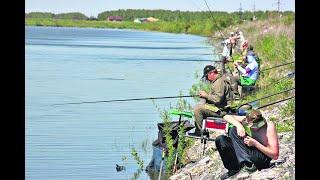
(221, 94)
(250, 73)
(244, 47)
(251, 144)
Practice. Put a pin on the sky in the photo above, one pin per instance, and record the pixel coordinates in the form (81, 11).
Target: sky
(94, 7)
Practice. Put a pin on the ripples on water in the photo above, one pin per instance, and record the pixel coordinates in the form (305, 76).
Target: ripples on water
(86, 141)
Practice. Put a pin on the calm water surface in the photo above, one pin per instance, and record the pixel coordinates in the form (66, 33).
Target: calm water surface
(86, 141)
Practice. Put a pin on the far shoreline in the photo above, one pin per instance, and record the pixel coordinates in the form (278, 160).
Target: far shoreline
(161, 26)
(138, 30)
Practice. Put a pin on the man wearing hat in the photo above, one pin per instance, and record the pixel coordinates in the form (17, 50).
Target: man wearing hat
(251, 144)
(221, 95)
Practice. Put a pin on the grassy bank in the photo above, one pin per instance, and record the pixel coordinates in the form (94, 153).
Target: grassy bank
(274, 42)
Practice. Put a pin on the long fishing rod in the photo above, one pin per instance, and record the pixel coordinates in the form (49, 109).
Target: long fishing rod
(269, 104)
(290, 75)
(165, 97)
(277, 66)
(222, 34)
(211, 15)
(165, 59)
(268, 96)
(121, 100)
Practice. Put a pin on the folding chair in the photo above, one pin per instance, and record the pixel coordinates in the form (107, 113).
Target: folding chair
(216, 124)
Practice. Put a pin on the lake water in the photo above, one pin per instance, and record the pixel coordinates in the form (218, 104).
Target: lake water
(86, 141)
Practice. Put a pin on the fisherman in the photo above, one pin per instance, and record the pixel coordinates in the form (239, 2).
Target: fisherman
(221, 95)
(250, 73)
(233, 38)
(240, 38)
(244, 47)
(225, 55)
(250, 145)
(225, 52)
(241, 41)
(233, 41)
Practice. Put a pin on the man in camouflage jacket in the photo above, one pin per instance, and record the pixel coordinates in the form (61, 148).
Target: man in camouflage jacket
(223, 91)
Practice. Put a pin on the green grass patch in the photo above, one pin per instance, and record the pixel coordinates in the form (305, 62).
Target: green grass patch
(285, 126)
(289, 109)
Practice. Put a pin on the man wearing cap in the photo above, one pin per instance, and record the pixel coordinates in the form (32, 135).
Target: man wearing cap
(221, 95)
(251, 144)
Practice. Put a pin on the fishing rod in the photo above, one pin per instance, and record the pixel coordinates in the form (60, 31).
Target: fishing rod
(164, 59)
(151, 98)
(290, 75)
(268, 96)
(277, 66)
(275, 102)
(121, 100)
(222, 34)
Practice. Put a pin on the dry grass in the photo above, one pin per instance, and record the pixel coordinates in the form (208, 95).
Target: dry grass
(254, 30)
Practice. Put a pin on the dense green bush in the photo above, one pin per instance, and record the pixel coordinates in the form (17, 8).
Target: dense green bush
(39, 15)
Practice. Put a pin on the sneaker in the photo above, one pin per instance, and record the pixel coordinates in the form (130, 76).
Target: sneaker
(229, 174)
(250, 169)
(276, 163)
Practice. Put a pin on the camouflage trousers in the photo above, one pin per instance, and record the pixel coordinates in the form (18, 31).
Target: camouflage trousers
(202, 111)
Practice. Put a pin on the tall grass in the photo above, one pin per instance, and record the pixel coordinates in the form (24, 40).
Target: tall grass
(136, 157)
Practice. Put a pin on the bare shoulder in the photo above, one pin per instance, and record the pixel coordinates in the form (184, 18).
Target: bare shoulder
(271, 125)
(271, 128)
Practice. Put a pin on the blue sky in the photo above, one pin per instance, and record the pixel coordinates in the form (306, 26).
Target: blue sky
(94, 7)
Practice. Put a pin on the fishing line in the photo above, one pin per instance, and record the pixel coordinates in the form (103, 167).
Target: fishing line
(122, 100)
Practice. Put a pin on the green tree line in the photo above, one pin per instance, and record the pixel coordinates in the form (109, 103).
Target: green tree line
(223, 18)
(72, 15)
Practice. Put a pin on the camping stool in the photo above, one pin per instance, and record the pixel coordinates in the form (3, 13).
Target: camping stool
(216, 124)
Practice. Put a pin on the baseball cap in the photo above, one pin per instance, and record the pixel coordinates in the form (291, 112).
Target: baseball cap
(255, 119)
(207, 69)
